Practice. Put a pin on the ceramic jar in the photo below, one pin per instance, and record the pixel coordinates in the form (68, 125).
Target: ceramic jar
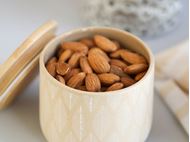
(70, 115)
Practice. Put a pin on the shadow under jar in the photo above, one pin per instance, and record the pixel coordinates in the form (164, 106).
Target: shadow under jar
(71, 115)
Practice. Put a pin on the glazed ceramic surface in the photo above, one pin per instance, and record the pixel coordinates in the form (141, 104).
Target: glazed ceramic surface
(70, 115)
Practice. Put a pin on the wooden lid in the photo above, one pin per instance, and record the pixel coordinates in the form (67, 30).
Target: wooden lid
(16, 71)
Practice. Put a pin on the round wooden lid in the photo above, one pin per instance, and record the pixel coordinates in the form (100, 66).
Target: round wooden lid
(16, 71)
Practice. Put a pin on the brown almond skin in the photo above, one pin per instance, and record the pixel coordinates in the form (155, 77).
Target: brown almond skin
(139, 76)
(52, 60)
(74, 60)
(65, 55)
(82, 88)
(97, 62)
(115, 86)
(71, 73)
(62, 68)
(135, 68)
(104, 43)
(114, 67)
(118, 63)
(116, 44)
(60, 79)
(88, 42)
(132, 58)
(85, 67)
(51, 68)
(76, 80)
(97, 50)
(92, 82)
(118, 71)
(108, 78)
(127, 81)
(117, 53)
(75, 46)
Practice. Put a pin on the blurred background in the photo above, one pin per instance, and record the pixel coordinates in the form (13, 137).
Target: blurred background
(20, 17)
(161, 24)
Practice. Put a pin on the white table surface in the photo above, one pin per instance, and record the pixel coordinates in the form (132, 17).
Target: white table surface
(20, 122)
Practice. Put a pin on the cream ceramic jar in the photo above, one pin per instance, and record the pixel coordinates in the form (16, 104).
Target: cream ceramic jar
(70, 115)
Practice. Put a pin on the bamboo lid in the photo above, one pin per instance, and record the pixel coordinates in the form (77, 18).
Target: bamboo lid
(17, 70)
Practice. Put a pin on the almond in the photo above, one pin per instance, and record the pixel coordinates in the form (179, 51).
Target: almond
(92, 82)
(51, 68)
(104, 43)
(108, 78)
(83, 88)
(98, 63)
(118, 63)
(60, 79)
(88, 42)
(115, 86)
(127, 81)
(116, 44)
(71, 73)
(117, 53)
(117, 70)
(65, 55)
(139, 76)
(76, 80)
(62, 68)
(135, 68)
(132, 58)
(52, 60)
(85, 65)
(75, 46)
(74, 60)
(97, 50)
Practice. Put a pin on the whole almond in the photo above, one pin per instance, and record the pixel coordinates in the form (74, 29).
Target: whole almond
(117, 54)
(92, 82)
(82, 87)
(98, 63)
(76, 80)
(75, 46)
(104, 43)
(118, 63)
(85, 65)
(74, 60)
(135, 68)
(60, 79)
(52, 60)
(62, 68)
(97, 50)
(108, 78)
(51, 68)
(65, 55)
(117, 70)
(127, 81)
(116, 44)
(115, 86)
(139, 76)
(71, 73)
(88, 42)
(132, 58)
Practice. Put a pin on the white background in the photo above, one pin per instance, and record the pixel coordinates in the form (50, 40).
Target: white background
(18, 18)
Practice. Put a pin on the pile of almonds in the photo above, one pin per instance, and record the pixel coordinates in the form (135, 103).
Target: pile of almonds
(96, 64)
